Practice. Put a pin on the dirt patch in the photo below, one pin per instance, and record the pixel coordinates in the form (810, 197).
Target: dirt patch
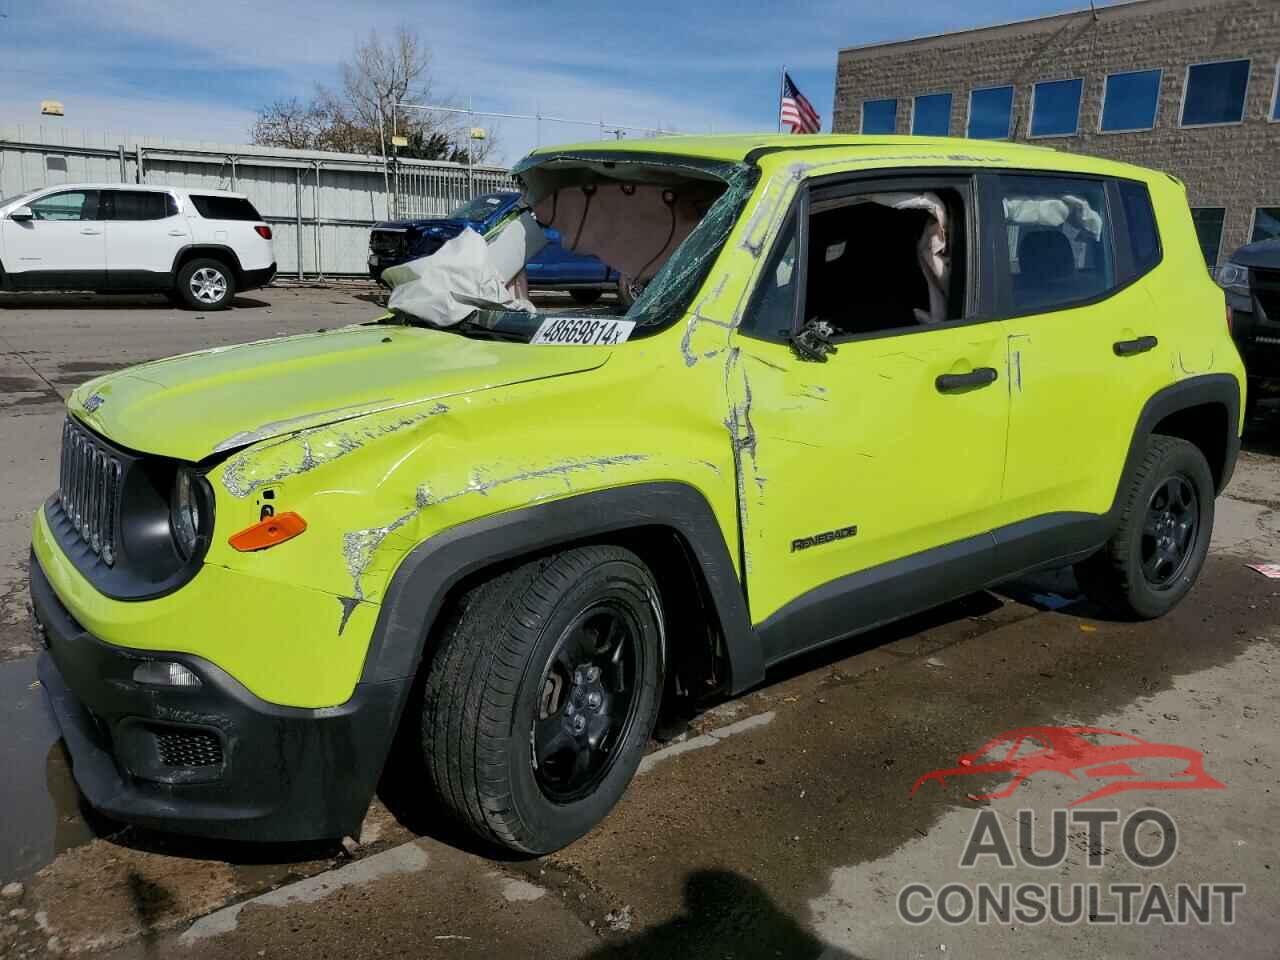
(103, 895)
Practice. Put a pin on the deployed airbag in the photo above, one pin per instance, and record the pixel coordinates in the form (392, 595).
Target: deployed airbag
(448, 286)
(466, 273)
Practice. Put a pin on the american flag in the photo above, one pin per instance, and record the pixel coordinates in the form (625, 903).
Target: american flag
(797, 111)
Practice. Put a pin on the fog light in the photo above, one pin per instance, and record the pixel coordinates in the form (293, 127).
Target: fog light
(164, 673)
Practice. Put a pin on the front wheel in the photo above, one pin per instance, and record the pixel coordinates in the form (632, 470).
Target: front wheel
(206, 285)
(1153, 558)
(629, 291)
(542, 694)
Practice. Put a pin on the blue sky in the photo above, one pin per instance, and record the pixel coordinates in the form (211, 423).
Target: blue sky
(198, 71)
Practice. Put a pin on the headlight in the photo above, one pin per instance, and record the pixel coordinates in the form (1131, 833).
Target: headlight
(1232, 276)
(184, 512)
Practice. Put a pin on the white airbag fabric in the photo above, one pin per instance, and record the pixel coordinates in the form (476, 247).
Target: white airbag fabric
(445, 288)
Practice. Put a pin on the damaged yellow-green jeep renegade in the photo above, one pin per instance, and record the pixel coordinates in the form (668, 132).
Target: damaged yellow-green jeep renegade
(866, 375)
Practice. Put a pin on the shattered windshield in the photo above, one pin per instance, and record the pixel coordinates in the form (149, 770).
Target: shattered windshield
(659, 223)
(482, 207)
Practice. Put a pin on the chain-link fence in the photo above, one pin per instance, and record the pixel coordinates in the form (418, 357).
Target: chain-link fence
(320, 205)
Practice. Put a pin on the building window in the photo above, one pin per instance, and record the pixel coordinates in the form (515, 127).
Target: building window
(1129, 101)
(1266, 224)
(990, 113)
(879, 116)
(1275, 96)
(931, 115)
(1208, 221)
(1215, 93)
(1055, 108)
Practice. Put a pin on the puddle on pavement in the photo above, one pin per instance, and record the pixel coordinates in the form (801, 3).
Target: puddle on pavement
(37, 794)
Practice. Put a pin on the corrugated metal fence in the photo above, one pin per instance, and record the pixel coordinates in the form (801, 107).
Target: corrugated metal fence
(320, 205)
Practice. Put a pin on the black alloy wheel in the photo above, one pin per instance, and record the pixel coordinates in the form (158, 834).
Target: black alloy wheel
(587, 703)
(1169, 531)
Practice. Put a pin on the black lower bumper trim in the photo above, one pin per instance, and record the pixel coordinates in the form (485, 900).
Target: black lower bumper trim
(253, 279)
(279, 774)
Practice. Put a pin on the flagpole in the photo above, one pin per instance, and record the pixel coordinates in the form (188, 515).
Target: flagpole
(782, 86)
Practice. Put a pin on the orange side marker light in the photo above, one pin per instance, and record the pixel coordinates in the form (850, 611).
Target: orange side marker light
(268, 532)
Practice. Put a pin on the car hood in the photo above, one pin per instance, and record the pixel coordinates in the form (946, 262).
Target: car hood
(200, 404)
(1264, 253)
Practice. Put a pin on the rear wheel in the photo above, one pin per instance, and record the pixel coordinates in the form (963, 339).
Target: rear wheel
(541, 695)
(206, 285)
(1152, 560)
(584, 298)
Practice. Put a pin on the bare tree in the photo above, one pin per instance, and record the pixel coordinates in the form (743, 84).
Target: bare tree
(361, 115)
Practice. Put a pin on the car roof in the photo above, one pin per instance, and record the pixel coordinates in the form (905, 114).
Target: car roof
(875, 149)
(151, 187)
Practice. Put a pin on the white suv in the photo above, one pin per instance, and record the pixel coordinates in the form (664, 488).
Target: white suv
(199, 247)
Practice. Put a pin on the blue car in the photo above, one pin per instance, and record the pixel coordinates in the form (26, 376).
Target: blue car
(554, 268)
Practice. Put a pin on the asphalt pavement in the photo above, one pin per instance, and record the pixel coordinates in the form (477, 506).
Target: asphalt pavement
(779, 824)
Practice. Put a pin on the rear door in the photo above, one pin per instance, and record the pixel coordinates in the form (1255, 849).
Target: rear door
(62, 247)
(144, 236)
(1084, 354)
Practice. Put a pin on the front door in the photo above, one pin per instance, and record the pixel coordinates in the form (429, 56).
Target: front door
(62, 246)
(869, 482)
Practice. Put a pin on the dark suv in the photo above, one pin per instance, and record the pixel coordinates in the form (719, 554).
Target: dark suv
(1252, 281)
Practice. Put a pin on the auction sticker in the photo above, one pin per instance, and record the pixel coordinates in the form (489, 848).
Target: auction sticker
(583, 331)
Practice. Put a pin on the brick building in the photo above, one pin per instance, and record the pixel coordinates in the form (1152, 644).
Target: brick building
(1186, 86)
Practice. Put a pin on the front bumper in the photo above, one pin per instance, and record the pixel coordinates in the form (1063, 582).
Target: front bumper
(213, 761)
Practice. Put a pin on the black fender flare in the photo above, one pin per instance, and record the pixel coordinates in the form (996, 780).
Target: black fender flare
(185, 253)
(424, 578)
(1209, 388)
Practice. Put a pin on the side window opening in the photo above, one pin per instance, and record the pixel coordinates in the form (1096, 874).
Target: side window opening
(224, 208)
(1059, 241)
(69, 205)
(886, 261)
(1140, 221)
(772, 313)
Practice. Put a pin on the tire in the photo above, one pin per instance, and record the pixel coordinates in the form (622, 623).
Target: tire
(503, 662)
(629, 291)
(584, 298)
(205, 284)
(1168, 503)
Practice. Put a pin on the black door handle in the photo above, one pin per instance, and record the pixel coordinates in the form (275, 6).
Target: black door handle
(959, 382)
(1128, 348)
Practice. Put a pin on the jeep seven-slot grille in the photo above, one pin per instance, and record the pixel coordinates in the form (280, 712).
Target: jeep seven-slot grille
(1266, 287)
(89, 489)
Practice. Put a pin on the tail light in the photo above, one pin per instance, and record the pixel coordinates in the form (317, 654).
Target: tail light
(1230, 319)
(263, 231)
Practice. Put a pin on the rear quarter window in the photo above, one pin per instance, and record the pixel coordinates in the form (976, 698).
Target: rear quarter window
(1140, 224)
(224, 208)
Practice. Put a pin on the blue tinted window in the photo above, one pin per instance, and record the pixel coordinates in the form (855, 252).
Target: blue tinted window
(1275, 97)
(880, 116)
(932, 117)
(1144, 237)
(1055, 108)
(1130, 100)
(990, 112)
(1215, 93)
(1266, 224)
